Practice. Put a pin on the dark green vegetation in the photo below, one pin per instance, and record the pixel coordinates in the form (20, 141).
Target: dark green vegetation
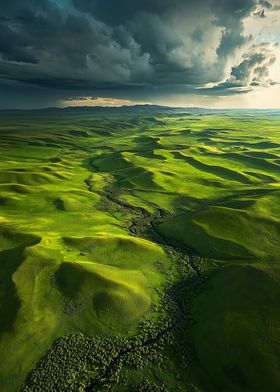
(139, 251)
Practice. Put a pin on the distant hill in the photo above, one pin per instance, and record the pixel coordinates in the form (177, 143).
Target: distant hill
(138, 109)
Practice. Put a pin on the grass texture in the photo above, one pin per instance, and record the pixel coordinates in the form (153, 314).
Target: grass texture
(68, 264)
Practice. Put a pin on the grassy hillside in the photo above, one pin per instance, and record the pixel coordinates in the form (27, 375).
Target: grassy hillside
(157, 233)
(236, 333)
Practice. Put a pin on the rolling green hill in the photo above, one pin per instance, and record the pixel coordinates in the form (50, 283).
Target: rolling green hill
(139, 249)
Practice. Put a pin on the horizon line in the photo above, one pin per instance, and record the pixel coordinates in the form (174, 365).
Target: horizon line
(135, 105)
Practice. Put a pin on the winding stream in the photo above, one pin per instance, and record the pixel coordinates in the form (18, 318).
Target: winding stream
(174, 293)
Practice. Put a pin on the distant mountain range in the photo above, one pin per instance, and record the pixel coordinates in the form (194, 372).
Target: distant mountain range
(139, 109)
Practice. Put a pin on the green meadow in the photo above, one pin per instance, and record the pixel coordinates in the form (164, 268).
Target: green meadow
(139, 250)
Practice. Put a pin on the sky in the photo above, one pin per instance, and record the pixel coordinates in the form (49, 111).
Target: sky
(207, 53)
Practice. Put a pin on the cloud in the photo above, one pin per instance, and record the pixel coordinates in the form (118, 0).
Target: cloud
(259, 13)
(265, 4)
(96, 101)
(252, 71)
(126, 50)
(14, 47)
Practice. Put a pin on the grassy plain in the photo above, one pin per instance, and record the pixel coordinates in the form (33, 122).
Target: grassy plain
(71, 186)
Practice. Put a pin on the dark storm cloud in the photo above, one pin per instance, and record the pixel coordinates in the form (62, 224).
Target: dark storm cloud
(134, 48)
(148, 21)
(243, 70)
(254, 69)
(15, 47)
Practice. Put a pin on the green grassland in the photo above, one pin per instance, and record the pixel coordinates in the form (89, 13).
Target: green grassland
(92, 207)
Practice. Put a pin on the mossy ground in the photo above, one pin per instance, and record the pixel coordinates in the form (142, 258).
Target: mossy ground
(69, 264)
